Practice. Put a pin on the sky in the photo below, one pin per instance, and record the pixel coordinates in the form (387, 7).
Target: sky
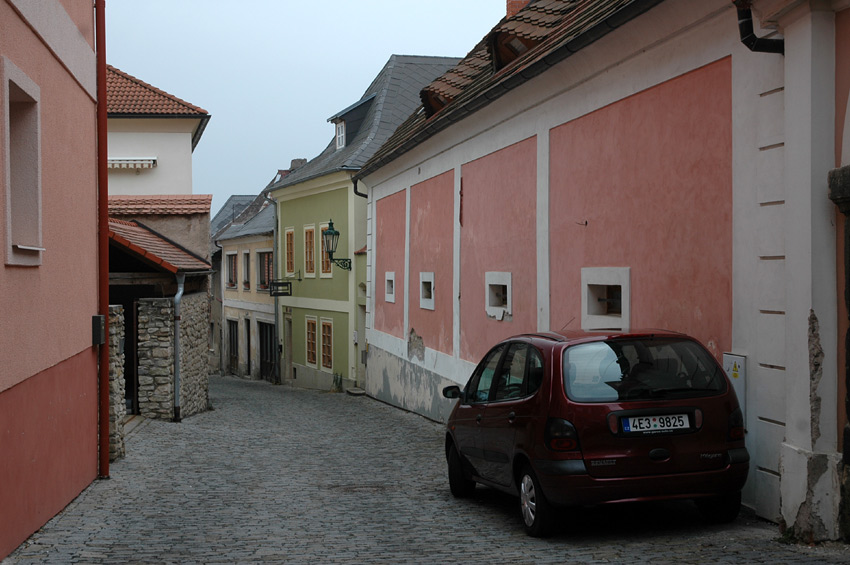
(271, 72)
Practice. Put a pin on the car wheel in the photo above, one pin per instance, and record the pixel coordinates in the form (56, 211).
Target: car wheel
(720, 509)
(535, 509)
(460, 485)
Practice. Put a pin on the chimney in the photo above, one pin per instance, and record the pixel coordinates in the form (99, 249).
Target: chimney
(295, 163)
(515, 6)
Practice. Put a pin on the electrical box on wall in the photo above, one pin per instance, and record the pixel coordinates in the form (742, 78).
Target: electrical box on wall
(98, 330)
(736, 369)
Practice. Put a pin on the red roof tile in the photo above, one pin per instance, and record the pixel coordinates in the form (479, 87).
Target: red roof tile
(163, 204)
(125, 94)
(153, 248)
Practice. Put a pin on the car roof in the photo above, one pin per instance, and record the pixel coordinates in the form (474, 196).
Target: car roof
(578, 336)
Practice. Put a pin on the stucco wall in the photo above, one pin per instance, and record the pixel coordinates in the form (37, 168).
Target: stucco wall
(432, 251)
(657, 198)
(390, 237)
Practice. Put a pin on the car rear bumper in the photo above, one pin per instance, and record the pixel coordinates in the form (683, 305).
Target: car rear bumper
(567, 483)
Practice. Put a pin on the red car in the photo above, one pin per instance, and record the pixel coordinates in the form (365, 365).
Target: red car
(590, 418)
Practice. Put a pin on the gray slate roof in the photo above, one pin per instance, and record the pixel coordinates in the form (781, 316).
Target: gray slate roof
(261, 223)
(390, 100)
(231, 209)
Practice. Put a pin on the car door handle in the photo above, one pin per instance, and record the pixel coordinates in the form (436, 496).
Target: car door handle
(511, 417)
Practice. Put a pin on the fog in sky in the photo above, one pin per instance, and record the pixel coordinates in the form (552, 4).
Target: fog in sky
(271, 72)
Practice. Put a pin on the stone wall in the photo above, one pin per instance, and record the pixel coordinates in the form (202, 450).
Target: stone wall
(194, 344)
(156, 360)
(117, 390)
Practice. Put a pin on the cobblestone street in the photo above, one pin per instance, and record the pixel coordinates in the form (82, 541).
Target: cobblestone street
(275, 474)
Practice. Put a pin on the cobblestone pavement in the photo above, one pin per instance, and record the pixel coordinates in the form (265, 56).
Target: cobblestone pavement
(276, 474)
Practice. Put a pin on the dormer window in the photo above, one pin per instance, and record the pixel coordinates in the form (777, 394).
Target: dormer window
(340, 134)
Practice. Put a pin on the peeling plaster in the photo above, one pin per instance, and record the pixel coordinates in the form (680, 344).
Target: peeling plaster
(815, 375)
(808, 525)
(415, 346)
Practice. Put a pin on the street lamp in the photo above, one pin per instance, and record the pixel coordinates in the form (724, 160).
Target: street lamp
(330, 237)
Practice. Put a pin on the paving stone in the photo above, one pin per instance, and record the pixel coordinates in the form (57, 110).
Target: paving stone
(281, 475)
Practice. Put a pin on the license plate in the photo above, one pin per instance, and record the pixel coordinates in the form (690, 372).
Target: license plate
(656, 423)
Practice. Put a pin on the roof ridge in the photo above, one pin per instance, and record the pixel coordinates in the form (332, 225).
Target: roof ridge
(159, 91)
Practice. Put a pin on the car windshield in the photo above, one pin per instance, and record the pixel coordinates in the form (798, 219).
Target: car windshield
(640, 369)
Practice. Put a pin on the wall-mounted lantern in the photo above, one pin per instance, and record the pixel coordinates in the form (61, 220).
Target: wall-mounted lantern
(331, 239)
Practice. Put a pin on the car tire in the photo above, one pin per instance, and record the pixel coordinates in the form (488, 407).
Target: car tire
(534, 509)
(460, 485)
(720, 509)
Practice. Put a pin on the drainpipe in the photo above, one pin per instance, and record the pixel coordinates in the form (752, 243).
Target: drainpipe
(361, 194)
(748, 35)
(181, 279)
(102, 239)
(277, 377)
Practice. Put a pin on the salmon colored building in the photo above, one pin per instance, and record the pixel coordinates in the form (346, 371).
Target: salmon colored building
(49, 212)
(637, 164)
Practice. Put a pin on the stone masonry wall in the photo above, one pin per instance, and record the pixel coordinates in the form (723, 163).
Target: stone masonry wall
(194, 344)
(156, 361)
(156, 356)
(117, 390)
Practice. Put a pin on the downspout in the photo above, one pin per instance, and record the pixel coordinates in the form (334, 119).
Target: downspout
(748, 35)
(277, 376)
(181, 279)
(361, 194)
(102, 239)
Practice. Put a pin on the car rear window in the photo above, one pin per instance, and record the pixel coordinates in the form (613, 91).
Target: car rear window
(640, 369)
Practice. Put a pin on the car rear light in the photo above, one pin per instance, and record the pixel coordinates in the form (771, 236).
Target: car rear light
(698, 418)
(736, 425)
(561, 435)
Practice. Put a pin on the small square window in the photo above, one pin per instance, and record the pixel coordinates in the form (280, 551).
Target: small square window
(605, 298)
(389, 287)
(498, 295)
(426, 291)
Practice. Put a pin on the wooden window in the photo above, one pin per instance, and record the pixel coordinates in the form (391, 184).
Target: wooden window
(265, 266)
(340, 135)
(310, 251)
(290, 251)
(231, 271)
(246, 270)
(311, 341)
(327, 344)
(326, 261)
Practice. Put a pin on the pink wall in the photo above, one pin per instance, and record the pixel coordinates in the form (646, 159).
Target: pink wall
(48, 440)
(498, 233)
(432, 250)
(47, 310)
(652, 177)
(390, 240)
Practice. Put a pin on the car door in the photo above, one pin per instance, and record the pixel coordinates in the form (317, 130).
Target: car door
(509, 411)
(467, 417)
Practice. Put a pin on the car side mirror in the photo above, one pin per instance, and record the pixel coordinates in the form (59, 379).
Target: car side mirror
(452, 392)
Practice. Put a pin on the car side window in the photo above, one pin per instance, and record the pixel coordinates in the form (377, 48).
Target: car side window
(512, 373)
(478, 389)
(535, 371)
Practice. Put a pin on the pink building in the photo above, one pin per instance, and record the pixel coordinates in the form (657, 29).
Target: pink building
(49, 277)
(640, 164)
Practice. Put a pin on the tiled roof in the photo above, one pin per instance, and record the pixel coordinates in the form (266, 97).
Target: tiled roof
(127, 95)
(229, 211)
(388, 101)
(164, 204)
(152, 248)
(545, 32)
(261, 223)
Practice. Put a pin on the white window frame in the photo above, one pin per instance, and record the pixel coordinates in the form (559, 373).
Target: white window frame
(389, 284)
(23, 196)
(317, 363)
(593, 281)
(320, 360)
(426, 280)
(321, 261)
(246, 270)
(495, 310)
(308, 274)
(287, 252)
(259, 270)
(226, 282)
(340, 134)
